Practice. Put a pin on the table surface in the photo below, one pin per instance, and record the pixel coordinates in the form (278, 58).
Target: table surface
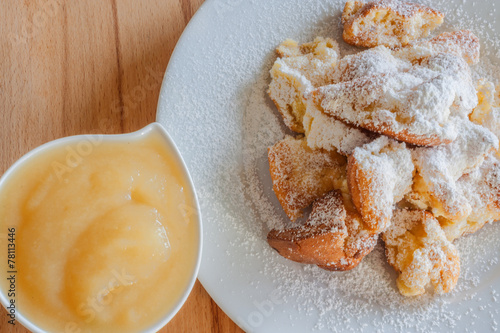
(90, 66)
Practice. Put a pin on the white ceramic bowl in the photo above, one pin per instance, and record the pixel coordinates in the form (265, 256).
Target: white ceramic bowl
(129, 137)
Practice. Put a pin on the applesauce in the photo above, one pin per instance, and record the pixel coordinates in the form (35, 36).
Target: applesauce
(105, 235)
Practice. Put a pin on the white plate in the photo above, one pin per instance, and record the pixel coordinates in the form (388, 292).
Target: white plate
(214, 105)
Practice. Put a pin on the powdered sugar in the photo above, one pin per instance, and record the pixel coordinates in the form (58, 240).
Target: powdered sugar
(375, 61)
(410, 102)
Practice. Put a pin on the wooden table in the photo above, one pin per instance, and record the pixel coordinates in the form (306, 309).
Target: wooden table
(90, 66)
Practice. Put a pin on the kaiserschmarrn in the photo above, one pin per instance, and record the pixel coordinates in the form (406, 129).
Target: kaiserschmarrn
(396, 141)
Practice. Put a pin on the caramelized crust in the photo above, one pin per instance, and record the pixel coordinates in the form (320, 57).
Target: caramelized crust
(332, 237)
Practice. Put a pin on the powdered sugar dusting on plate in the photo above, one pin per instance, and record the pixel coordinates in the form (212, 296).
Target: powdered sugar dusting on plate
(227, 157)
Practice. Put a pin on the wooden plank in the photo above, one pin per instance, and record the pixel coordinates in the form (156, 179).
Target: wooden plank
(90, 66)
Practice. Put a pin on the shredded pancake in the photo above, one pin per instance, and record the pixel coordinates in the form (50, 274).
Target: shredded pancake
(417, 248)
(387, 22)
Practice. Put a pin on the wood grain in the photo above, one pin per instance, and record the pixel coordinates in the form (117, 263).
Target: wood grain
(90, 66)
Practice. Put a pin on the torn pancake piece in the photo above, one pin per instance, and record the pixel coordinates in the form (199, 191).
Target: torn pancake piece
(379, 174)
(300, 69)
(462, 43)
(439, 169)
(326, 132)
(300, 175)
(332, 238)
(417, 248)
(387, 22)
(420, 105)
(480, 188)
